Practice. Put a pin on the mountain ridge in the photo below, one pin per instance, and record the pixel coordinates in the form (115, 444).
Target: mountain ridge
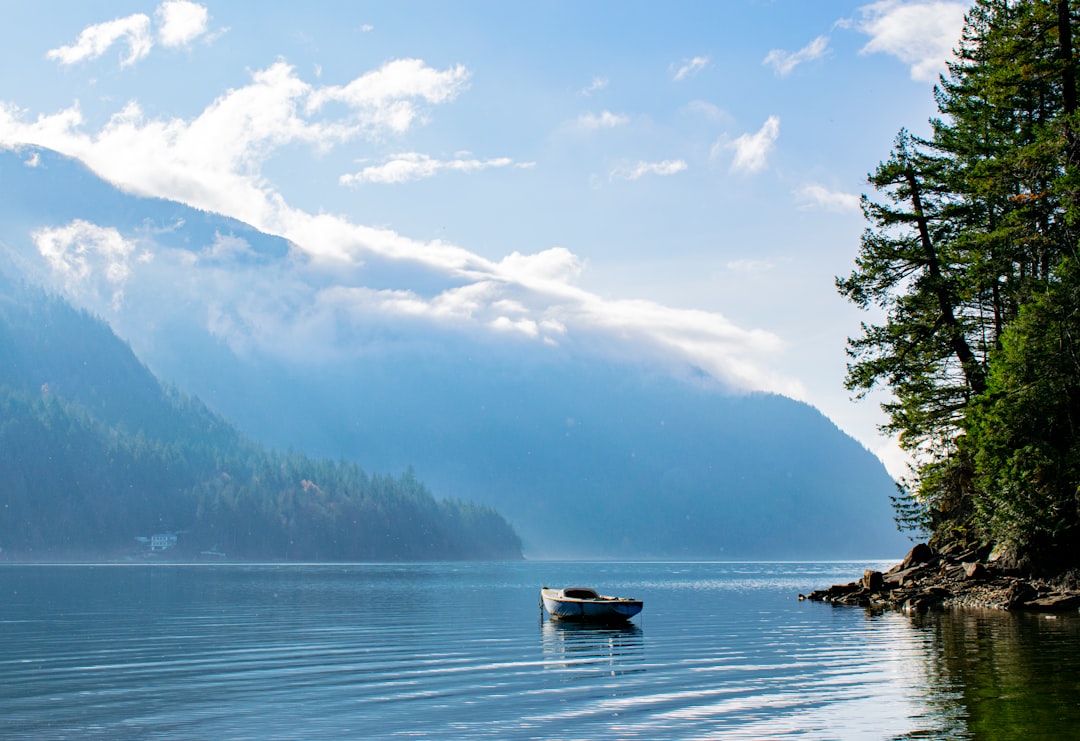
(586, 454)
(96, 457)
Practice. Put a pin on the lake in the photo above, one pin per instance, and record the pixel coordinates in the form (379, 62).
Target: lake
(460, 651)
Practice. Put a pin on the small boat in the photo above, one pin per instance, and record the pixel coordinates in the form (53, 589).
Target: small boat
(582, 604)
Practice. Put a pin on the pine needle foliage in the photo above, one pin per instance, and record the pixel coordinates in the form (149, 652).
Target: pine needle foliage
(971, 255)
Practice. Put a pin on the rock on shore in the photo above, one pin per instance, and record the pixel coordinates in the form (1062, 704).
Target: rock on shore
(954, 577)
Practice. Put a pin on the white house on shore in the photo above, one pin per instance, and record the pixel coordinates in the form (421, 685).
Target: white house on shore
(159, 542)
(162, 541)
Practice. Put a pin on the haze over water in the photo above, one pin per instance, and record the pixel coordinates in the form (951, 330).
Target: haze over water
(721, 650)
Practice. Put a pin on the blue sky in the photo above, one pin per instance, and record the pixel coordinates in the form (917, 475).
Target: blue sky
(679, 179)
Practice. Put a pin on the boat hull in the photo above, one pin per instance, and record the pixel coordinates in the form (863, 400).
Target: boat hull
(598, 609)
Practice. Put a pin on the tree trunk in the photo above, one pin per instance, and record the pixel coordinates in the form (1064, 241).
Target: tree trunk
(957, 341)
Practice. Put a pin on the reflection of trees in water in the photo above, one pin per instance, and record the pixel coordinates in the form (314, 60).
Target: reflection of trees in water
(1002, 675)
(611, 648)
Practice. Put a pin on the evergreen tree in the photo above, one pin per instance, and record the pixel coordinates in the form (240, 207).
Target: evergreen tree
(970, 253)
(909, 265)
(1024, 433)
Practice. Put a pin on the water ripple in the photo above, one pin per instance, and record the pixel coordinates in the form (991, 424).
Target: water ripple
(460, 651)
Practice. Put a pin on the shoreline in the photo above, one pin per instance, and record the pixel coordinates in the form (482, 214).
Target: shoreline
(926, 579)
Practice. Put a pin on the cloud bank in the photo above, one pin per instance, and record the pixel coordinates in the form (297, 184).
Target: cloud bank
(94, 41)
(179, 23)
(87, 258)
(324, 297)
(920, 34)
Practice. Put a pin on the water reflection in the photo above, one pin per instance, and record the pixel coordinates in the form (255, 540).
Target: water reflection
(280, 652)
(1002, 675)
(614, 649)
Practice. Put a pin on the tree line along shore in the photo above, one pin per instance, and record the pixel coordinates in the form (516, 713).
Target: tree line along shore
(971, 257)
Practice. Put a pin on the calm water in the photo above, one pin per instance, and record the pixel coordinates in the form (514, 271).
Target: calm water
(460, 651)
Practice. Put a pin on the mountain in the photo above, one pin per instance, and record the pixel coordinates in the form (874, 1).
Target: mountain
(589, 451)
(96, 458)
(586, 459)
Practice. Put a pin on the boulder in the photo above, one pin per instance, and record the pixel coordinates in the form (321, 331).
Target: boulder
(1066, 602)
(1019, 594)
(923, 602)
(974, 571)
(957, 576)
(920, 554)
(840, 590)
(1008, 561)
(873, 581)
(903, 577)
(838, 593)
(949, 550)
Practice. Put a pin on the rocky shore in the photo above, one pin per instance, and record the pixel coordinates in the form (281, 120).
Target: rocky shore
(955, 577)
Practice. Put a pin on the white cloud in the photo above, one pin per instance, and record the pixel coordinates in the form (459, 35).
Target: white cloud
(409, 166)
(510, 306)
(603, 120)
(214, 159)
(783, 62)
(597, 84)
(95, 40)
(387, 97)
(752, 150)
(367, 28)
(180, 22)
(640, 169)
(690, 67)
(307, 301)
(85, 256)
(555, 264)
(526, 327)
(816, 196)
(920, 34)
(227, 248)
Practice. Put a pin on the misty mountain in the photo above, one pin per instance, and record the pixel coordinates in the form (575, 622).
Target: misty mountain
(587, 459)
(587, 448)
(95, 455)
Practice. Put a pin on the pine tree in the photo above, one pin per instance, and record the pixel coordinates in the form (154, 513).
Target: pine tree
(908, 265)
(971, 254)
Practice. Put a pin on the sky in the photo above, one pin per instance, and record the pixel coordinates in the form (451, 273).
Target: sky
(680, 179)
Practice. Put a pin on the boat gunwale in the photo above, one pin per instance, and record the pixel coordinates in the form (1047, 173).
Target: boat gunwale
(560, 596)
(597, 609)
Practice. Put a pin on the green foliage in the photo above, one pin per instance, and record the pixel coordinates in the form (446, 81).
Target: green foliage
(93, 453)
(1024, 430)
(970, 253)
(909, 512)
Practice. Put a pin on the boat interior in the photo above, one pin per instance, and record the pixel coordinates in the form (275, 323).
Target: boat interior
(580, 593)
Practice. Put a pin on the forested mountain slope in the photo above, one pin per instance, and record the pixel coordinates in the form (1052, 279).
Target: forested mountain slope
(94, 453)
(586, 448)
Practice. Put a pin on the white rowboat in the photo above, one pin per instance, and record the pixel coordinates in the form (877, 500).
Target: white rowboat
(583, 604)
